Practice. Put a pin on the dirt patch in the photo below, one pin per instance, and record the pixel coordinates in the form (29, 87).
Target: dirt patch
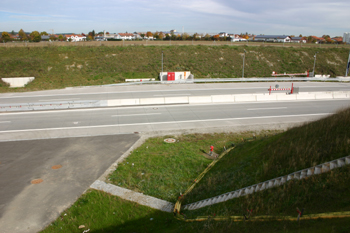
(36, 181)
(56, 166)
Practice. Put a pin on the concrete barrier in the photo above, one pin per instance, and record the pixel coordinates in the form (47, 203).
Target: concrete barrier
(149, 101)
(266, 97)
(245, 98)
(341, 95)
(286, 97)
(176, 100)
(126, 102)
(306, 96)
(223, 98)
(199, 99)
(323, 95)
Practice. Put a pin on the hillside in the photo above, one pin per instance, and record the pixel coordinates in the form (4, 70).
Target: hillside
(59, 67)
(250, 162)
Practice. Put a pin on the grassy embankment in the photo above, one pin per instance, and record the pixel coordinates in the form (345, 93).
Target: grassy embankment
(63, 66)
(249, 163)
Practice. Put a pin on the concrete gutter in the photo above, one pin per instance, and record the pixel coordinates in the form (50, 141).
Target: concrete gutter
(18, 82)
(176, 100)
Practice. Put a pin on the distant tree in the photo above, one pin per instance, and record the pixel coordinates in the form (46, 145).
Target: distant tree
(167, 37)
(143, 35)
(185, 36)
(5, 36)
(149, 34)
(13, 33)
(44, 33)
(207, 36)
(326, 37)
(35, 36)
(300, 35)
(53, 38)
(93, 33)
(195, 35)
(161, 35)
(22, 35)
(216, 37)
(292, 35)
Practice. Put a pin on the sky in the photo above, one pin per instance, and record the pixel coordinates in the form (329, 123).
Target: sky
(269, 17)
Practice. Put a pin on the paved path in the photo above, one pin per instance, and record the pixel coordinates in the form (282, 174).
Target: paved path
(26, 207)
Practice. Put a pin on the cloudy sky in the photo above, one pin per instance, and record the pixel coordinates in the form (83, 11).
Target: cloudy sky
(306, 17)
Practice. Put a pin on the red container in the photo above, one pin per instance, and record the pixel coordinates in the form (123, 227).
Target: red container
(171, 76)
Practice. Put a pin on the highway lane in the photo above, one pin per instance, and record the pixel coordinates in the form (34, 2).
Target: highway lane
(101, 121)
(152, 91)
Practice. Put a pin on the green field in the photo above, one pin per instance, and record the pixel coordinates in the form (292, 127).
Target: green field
(63, 66)
(257, 159)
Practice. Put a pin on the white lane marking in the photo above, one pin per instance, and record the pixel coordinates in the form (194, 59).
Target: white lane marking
(168, 122)
(59, 99)
(144, 114)
(5, 122)
(253, 109)
(172, 95)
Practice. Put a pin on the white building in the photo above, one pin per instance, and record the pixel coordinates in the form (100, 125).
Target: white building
(74, 38)
(346, 37)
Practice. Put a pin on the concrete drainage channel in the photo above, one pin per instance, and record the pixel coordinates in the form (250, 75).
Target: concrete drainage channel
(175, 100)
(316, 170)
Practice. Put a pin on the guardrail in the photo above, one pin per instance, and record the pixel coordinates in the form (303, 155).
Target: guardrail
(318, 169)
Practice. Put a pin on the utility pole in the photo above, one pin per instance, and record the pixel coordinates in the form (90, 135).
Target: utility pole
(161, 78)
(348, 66)
(243, 63)
(314, 64)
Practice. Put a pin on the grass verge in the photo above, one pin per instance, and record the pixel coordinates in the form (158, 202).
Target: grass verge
(164, 170)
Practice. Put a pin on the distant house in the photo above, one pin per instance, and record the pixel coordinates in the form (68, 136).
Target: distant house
(298, 39)
(45, 38)
(125, 36)
(337, 40)
(223, 34)
(272, 38)
(319, 40)
(74, 37)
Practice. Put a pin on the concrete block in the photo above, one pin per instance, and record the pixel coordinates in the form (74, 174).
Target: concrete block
(271, 182)
(318, 170)
(126, 102)
(333, 165)
(283, 179)
(150, 101)
(199, 99)
(240, 192)
(289, 177)
(341, 162)
(176, 100)
(297, 175)
(303, 174)
(286, 97)
(245, 98)
(236, 194)
(306, 96)
(263, 186)
(277, 182)
(257, 188)
(222, 98)
(347, 160)
(325, 167)
(310, 171)
(267, 97)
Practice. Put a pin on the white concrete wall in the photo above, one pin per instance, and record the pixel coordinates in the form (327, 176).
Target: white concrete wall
(18, 82)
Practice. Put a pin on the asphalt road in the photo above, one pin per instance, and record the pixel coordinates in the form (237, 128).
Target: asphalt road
(119, 120)
(152, 91)
(27, 207)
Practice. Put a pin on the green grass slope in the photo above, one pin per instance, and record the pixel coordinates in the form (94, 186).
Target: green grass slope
(250, 162)
(59, 67)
